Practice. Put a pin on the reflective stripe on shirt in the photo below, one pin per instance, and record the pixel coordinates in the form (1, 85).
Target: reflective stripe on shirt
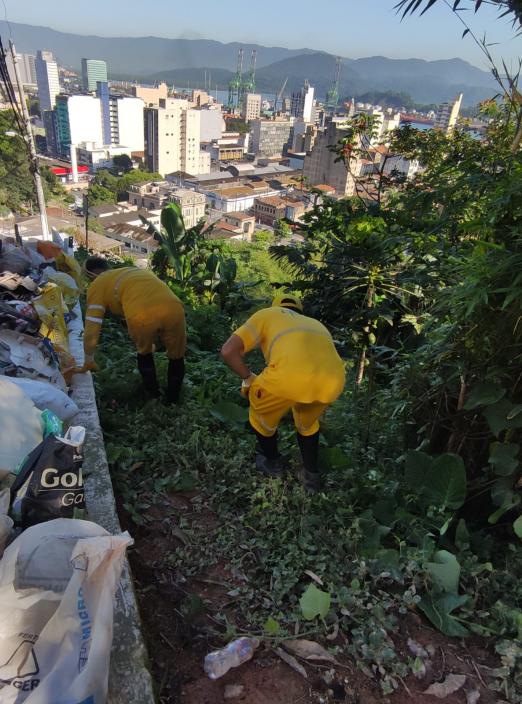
(119, 280)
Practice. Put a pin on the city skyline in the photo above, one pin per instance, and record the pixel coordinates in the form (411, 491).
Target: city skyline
(359, 29)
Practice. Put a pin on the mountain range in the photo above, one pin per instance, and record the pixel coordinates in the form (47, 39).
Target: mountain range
(180, 61)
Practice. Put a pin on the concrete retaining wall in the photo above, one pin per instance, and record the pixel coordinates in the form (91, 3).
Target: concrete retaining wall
(129, 679)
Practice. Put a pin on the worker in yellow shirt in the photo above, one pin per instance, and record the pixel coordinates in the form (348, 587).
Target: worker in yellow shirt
(152, 312)
(303, 373)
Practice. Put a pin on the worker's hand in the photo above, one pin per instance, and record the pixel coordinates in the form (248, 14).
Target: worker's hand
(247, 383)
(89, 365)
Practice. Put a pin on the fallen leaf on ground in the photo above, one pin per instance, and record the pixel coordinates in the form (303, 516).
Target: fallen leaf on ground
(308, 650)
(291, 661)
(315, 577)
(448, 686)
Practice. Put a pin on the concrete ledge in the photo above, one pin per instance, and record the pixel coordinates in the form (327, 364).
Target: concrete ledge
(130, 681)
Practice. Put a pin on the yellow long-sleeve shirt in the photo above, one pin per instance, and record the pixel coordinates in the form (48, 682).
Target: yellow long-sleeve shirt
(137, 294)
(302, 362)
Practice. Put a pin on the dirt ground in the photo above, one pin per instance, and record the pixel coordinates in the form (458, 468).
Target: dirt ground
(177, 643)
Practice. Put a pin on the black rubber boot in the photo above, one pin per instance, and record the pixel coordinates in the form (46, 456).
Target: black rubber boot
(147, 369)
(175, 374)
(268, 460)
(308, 475)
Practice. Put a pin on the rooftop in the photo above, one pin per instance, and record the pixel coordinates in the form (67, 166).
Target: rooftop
(239, 215)
(274, 201)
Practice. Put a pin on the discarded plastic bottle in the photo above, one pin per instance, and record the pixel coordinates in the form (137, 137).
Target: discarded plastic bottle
(235, 654)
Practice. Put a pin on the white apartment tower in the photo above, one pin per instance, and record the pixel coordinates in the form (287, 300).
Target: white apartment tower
(447, 115)
(126, 120)
(47, 80)
(251, 109)
(172, 133)
(302, 103)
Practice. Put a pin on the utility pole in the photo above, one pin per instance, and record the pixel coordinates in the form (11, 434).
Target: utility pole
(86, 213)
(32, 149)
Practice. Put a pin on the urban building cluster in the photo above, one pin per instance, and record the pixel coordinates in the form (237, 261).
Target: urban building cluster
(270, 169)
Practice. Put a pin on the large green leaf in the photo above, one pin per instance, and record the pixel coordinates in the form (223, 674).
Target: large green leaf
(485, 393)
(462, 535)
(438, 609)
(503, 457)
(228, 412)
(314, 602)
(445, 482)
(502, 416)
(517, 527)
(418, 464)
(445, 571)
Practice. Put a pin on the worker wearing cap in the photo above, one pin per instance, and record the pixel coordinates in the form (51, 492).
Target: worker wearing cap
(303, 373)
(152, 313)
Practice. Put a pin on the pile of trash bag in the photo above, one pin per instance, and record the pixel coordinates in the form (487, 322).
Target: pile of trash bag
(58, 572)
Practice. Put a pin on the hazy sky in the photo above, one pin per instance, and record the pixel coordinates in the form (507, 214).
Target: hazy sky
(351, 28)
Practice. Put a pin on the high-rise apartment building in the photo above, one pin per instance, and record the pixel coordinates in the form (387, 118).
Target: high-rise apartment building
(93, 71)
(102, 93)
(302, 103)
(78, 119)
(320, 165)
(26, 67)
(212, 124)
(127, 128)
(448, 114)
(172, 133)
(47, 79)
(270, 138)
(251, 108)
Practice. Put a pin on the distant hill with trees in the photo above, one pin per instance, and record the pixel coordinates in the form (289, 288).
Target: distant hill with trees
(153, 58)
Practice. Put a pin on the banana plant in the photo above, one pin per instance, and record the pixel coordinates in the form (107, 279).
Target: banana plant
(177, 245)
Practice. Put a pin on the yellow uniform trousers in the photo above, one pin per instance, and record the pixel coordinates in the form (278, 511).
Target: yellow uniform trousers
(266, 411)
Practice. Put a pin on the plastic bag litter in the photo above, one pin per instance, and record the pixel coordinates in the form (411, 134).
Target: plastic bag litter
(49, 250)
(31, 357)
(51, 424)
(19, 316)
(6, 523)
(14, 259)
(45, 395)
(66, 283)
(20, 426)
(69, 265)
(57, 587)
(51, 310)
(50, 482)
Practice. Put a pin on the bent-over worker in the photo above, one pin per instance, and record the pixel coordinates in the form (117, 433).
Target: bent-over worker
(152, 312)
(303, 372)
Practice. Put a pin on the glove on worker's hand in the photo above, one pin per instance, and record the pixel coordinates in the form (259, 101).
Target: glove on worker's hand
(89, 365)
(247, 383)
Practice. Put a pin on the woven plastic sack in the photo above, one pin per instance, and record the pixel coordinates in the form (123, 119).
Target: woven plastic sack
(67, 284)
(45, 395)
(57, 586)
(51, 310)
(69, 265)
(20, 426)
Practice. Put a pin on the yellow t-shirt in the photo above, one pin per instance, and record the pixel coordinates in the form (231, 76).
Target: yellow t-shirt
(302, 362)
(134, 293)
